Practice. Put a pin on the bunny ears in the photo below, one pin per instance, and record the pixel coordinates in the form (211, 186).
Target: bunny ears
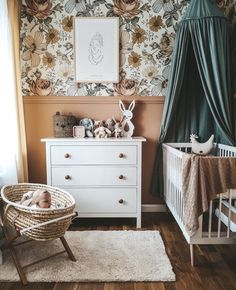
(130, 108)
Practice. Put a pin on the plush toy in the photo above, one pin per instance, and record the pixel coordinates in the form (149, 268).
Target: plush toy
(201, 148)
(110, 123)
(63, 125)
(102, 132)
(99, 123)
(88, 125)
(118, 129)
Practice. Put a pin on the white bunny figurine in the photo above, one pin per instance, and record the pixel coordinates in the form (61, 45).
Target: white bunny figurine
(127, 115)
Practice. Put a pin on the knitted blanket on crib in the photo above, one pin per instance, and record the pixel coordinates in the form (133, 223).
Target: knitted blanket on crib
(203, 177)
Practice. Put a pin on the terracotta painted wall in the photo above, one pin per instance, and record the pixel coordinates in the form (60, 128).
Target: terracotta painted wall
(38, 116)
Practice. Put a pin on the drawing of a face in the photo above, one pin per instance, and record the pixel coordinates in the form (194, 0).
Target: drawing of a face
(95, 49)
(95, 46)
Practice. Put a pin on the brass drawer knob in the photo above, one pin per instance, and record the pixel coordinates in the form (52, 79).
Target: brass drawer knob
(121, 155)
(121, 201)
(67, 155)
(67, 177)
(121, 176)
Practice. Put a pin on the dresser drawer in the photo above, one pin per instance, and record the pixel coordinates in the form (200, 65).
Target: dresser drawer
(93, 154)
(94, 176)
(108, 200)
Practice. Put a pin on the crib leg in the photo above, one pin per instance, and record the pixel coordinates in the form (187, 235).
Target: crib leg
(67, 248)
(192, 254)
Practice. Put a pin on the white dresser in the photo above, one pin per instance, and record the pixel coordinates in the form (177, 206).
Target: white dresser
(103, 175)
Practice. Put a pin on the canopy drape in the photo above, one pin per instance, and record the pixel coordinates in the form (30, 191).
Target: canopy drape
(199, 97)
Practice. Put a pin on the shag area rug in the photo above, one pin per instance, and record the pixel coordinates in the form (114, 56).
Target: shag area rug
(102, 256)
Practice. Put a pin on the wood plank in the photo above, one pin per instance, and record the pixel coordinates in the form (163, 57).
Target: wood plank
(89, 286)
(30, 286)
(67, 286)
(149, 286)
(170, 286)
(216, 266)
(119, 286)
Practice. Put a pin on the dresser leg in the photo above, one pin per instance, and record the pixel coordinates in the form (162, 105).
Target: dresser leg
(138, 222)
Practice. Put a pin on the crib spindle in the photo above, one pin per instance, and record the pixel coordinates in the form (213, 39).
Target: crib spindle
(210, 220)
(219, 217)
(229, 212)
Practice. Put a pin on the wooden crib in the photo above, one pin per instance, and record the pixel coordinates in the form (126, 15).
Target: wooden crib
(214, 226)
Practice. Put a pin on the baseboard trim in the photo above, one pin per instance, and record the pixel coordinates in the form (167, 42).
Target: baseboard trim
(153, 208)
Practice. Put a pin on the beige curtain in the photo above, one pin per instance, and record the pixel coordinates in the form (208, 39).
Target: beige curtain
(14, 8)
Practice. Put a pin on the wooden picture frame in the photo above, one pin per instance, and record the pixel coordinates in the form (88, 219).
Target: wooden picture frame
(96, 46)
(78, 131)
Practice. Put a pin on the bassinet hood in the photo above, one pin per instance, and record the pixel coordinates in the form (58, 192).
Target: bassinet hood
(202, 8)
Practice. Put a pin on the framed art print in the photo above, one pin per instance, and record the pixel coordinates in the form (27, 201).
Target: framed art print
(96, 44)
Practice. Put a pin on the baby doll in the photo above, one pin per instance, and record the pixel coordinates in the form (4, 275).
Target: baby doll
(39, 198)
(43, 200)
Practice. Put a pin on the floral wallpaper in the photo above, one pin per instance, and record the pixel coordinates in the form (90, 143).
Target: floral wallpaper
(147, 33)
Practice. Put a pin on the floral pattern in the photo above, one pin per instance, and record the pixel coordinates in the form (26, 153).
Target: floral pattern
(52, 36)
(33, 48)
(160, 83)
(134, 59)
(138, 36)
(126, 8)
(41, 87)
(147, 33)
(156, 23)
(39, 8)
(126, 87)
(49, 60)
(67, 23)
(126, 46)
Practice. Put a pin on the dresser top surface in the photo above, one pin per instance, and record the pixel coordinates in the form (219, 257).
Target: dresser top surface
(95, 140)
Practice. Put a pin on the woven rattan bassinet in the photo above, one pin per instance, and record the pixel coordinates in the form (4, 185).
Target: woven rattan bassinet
(27, 219)
(35, 223)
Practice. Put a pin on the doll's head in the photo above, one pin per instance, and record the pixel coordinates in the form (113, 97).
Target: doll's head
(43, 199)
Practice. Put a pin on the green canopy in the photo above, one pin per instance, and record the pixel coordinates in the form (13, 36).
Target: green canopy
(199, 97)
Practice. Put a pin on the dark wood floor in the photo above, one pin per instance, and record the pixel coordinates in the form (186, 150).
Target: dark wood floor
(216, 268)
